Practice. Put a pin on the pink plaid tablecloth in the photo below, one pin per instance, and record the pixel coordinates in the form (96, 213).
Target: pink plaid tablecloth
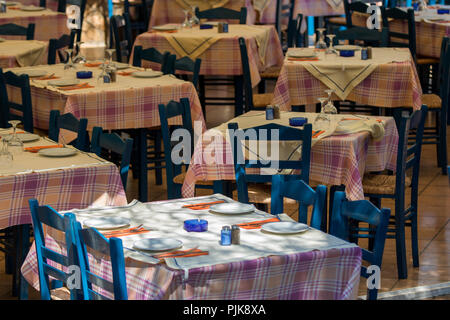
(389, 85)
(317, 8)
(48, 24)
(224, 57)
(8, 61)
(63, 189)
(335, 160)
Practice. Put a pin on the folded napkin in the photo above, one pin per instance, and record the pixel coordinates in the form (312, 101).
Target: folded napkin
(165, 31)
(92, 64)
(303, 59)
(78, 86)
(202, 206)
(182, 254)
(256, 224)
(35, 149)
(374, 126)
(48, 78)
(125, 232)
(125, 73)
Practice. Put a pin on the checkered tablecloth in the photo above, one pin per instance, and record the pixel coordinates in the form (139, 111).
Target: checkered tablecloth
(114, 106)
(332, 273)
(317, 8)
(389, 85)
(335, 160)
(48, 24)
(224, 57)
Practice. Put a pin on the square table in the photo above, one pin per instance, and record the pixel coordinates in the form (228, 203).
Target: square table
(48, 24)
(220, 52)
(388, 80)
(22, 53)
(309, 265)
(336, 158)
(129, 103)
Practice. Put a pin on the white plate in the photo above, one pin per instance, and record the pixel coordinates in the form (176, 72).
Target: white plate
(107, 222)
(32, 8)
(157, 244)
(302, 53)
(11, 3)
(28, 137)
(57, 152)
(147, 74)
(34, 73)
(347, 47)
(285, 227)
(232, 208)
(63, 82)
(121, 66)
(166, 27)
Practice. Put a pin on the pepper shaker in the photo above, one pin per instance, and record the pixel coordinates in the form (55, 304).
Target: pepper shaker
(276, 111)
(235, 234)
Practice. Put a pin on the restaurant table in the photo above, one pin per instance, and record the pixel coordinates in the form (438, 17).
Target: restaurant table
(220, 52)
(51, 4)
(48, 24)
(388, 80)
(77, 181)
(22, 53)
(308, 265)
(317, 8)
(339, 156)
(129, 103)
(431, 27)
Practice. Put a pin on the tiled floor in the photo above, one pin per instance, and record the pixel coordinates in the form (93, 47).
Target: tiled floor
(434, 226)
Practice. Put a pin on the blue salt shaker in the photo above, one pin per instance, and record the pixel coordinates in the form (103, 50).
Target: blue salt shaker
(225, 236)
(270, 114)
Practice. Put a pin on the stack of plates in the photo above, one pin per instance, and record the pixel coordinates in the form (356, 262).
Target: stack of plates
(57, 152)
(166, 27)
(34, 73)
(147, 74)
(32, 8)
(106, 223)
(347, 47)
(232, 208)
(302, 53)
(63, 82)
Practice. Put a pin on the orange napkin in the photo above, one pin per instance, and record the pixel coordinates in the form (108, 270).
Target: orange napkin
(256, 224)
(202, 206)
(48, 78)
(125, 232)
(37, 148)
(315, 134)
(92, 64)
(78, 86)
(303, 59)
(125, 73)
(182, 254)
(165, 31)
(12, 8)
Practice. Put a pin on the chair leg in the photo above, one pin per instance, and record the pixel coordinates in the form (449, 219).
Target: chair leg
(239, 93)
(414, 241)
(443, 144)
(143, 179)
(158, 153)
(201, 89)
(400, 241)
(262, 86)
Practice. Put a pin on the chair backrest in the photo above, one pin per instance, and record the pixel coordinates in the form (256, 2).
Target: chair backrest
(344, 224)
(166, 112)
(399, 39)
(222, 13)
(444, 73)
(94, 284)
(408, 156)
(55, 45)
(301, 192)
(187, 64)
(45, 215)
(61, 5)
(143, 9)
(248, 87)
(23, 83)
(122, 37)
(153, 55)
(371, 37)
(351, 7)
(11, 29)
(295, 36)
(69, 122)
(114, 146)
(271, 133)
(283, 14)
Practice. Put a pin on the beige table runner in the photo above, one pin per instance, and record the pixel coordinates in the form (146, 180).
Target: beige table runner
(193, 42)
(202, 4)
(260, 5)
(27, 52)
(17, 13)
(342, 74)
(336, 4)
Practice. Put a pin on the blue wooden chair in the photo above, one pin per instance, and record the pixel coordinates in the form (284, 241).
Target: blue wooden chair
(121, 37)
(90, 238)
(299, 191)
(174, 170)
(25, 109)
(252, 101)
(439, 105)
(259, 191)
(61, 5)
(345, 225)
(55, 45)
(45, 215)
(69, 122)
(110, 146)
(187, 64)
(143, 11)
(382, 186)
(11, 29)
(222, 13)
(153, 55)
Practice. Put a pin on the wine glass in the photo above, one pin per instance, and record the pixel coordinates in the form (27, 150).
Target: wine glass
(104, 76)
(194, 20)
(15, 145)
(79, 58)
(330, 48)
(322, 121)
(321, 44)
(186, 23)
(69, 64)
(6, 157)
(329, 106)
(110, 53)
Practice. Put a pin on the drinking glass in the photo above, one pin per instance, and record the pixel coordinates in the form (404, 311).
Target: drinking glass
(186, 23)
(104, 76)
(321, 44)
(194, 20)
(15, 145)
(330, 48)
(79, 58)
(322, 121)
(69, 64)
(6, 157)
(110, 53)
(329, 107)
